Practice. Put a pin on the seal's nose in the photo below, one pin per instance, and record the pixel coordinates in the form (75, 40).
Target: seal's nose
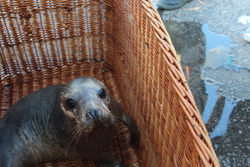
(95, 113)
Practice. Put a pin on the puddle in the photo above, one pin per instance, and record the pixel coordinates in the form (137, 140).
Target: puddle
(229, 104)
(218, 50)
(221, 127)
(214, 40)
(212, 71)
(220, 87)
(218, 57)
(211, 102)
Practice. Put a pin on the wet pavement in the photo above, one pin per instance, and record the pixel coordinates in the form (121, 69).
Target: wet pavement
(208, 36)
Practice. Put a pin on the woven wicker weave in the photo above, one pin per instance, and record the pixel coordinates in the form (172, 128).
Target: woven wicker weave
(124, 44)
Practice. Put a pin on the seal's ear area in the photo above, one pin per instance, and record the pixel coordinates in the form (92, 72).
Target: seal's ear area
(118, 111)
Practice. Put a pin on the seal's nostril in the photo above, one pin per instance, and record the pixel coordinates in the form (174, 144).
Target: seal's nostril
(94, 113)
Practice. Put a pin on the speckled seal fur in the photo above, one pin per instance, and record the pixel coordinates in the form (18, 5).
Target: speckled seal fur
(63, 122)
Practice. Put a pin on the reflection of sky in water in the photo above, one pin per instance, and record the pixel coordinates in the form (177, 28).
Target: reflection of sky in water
(217, 55)
(213, 40)
(218, 44)
(229, 105)
(211, 101)
(221, 127)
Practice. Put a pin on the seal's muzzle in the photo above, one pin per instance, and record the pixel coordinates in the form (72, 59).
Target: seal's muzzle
(95, 115)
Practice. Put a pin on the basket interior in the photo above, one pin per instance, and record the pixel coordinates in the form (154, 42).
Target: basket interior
(121, 43)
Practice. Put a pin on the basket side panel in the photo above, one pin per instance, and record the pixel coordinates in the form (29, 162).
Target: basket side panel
(39, 35)
(147, 83)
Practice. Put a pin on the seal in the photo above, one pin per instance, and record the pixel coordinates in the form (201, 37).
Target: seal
(63, 122)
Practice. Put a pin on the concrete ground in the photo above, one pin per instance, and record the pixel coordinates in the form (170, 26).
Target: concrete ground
(208, 38)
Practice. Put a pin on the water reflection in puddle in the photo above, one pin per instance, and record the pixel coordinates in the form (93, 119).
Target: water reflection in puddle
(220, 88)
(212, 99)
(217, 55)
(211, 102)
(206, 54)
(213, 40)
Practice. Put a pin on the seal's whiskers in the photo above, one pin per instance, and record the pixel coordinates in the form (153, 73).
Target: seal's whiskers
(76, 134)
(104, 106)
(115, 126)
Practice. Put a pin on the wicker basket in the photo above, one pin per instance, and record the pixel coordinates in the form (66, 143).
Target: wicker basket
(124, 44)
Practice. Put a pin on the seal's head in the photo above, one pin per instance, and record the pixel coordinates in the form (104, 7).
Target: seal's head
(84, 100)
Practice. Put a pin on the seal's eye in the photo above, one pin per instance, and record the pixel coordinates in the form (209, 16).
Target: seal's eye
(70, 103)
(102, 93)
